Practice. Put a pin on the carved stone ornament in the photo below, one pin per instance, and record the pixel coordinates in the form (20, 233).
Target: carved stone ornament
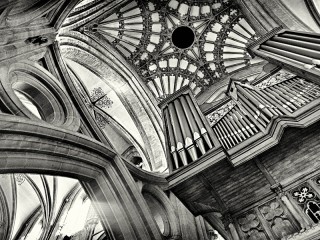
(303, 194)
(277, 188)
(20, 178)
(308, 200)
(38, 40)
(101, 120)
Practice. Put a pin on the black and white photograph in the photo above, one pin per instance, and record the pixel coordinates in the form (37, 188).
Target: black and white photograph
(159, 119)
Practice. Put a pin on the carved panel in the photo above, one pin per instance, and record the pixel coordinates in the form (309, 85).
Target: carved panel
(277, 219)
(251, 227)
(279, 77)
(216, 115)
(308, 199)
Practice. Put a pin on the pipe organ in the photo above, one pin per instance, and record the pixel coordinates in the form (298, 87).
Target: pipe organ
(254, 107)
(189, 135)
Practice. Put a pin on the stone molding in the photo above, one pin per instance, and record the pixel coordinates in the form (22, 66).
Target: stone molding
(53, 100)
(101, 171)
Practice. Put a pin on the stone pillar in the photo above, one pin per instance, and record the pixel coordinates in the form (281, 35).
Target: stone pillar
(125, 199)
(91, 222)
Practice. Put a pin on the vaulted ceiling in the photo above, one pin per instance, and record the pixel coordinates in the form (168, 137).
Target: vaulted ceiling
(213, 34)
(41, 207)
(154, 48)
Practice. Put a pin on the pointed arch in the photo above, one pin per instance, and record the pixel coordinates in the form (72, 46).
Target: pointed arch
(104, 176)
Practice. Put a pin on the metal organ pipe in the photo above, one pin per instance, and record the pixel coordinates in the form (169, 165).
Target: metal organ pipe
(186, 132)
(298, 43)
(304, 38)
(287, 54)
(294, 49)
(193, 125)
(198, 120)
(173, 148)
(177, 133)
(301, 47)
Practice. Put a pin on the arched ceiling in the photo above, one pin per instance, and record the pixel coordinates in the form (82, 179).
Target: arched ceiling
(136, 36)
(307, 11)
(42, 207)
(142, 31)
(119, 127)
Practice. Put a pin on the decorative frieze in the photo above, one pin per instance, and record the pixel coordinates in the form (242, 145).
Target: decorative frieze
(216, 115)
(270, 220)
(279, 77)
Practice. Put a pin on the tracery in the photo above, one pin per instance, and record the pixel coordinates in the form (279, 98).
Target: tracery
(142, 32)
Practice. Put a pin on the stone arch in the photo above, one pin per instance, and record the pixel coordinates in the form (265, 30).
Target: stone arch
(24, 12)
(43, 88)
(172, 230)
(38, 147)
(4, 215)
(79, 49)
(112, 122)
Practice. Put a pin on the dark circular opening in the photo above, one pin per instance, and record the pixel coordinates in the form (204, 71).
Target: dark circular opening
(137, 161)
(183, 37)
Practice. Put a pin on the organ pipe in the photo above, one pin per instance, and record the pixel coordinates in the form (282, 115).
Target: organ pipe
(255, 107)
(187, 133)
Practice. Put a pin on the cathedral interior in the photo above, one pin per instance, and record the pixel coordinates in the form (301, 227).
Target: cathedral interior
(159, 119)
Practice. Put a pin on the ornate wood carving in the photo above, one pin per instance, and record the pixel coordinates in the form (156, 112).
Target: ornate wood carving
(277, 219)
(251, 227)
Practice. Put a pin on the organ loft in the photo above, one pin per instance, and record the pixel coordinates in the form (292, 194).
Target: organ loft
(159, 119)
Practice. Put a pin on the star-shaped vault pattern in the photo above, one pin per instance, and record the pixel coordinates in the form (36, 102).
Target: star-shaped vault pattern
(141, 31)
